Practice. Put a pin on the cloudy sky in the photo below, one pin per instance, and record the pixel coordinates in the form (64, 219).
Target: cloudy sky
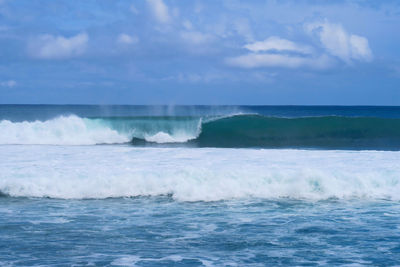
(200, 52)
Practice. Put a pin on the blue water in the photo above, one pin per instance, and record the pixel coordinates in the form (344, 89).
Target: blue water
(68, 198)
(160, 231)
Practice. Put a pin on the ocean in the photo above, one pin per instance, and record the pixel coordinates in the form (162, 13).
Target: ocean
(199, 185)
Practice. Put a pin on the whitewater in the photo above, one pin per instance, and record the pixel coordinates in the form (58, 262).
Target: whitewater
(73, 130)
(189, 174)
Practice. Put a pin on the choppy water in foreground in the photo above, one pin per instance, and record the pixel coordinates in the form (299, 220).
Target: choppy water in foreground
(199, 186)
(160, 231)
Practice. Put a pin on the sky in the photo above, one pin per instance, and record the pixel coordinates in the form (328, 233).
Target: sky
(288, 52)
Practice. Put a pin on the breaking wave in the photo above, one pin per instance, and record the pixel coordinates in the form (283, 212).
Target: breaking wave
(207, 174)
(230, 131)
(71, 130)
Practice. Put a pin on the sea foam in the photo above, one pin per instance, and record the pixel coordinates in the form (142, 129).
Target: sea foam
(162, 137)
(78, 172)
(64, 130)
(73, 130)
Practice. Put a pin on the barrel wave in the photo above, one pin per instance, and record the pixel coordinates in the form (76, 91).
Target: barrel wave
(235, 131)
(312, 132)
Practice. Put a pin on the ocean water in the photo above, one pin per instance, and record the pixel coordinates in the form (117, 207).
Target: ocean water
(199, 186)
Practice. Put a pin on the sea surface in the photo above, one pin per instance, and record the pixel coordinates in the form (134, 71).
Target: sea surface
(199, 185)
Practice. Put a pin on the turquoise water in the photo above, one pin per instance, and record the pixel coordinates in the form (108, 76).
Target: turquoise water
(199, 186)
(204, 126)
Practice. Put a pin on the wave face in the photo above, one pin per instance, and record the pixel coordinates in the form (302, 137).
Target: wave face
(206, 174)
(311, 132)
(330, 132)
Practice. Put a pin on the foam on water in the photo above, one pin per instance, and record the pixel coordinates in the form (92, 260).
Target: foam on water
(162, 138)
(197, 174)
(73, 130)
(70, 130)
(177, 136)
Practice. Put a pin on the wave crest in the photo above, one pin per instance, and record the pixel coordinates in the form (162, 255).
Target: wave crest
(64, 130)
(238, 130)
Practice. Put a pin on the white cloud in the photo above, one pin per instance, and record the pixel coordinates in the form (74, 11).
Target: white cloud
(254, 60)
(187, 25)
(278, 44)
(159, 10)
(195, 37)
(133, 9)
(339, 43)
(279, 52)
(243, 28)
(206, 77)
(198, 7)
(57, 47)
(124, 38)
(360, 48)
(9, 83)
(216, 76)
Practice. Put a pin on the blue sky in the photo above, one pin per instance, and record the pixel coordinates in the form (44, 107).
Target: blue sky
(200, 52)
